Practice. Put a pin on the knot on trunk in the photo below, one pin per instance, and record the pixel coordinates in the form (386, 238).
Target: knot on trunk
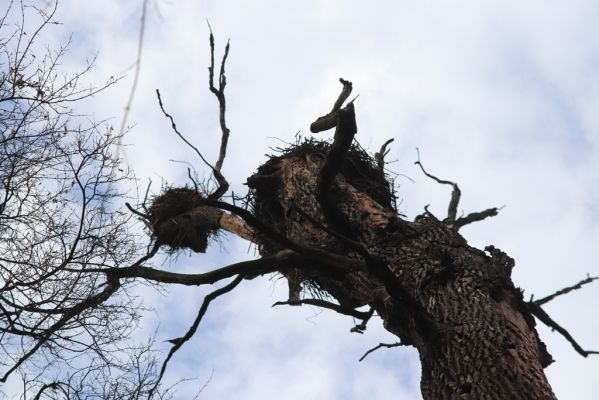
(178, 219)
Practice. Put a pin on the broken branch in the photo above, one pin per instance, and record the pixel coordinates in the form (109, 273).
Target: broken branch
(568, 289)
(220, 95)
(475, 217)
(380, 345)
(542, 316)
(326, 304)
(455, 194)
(178, 342)
(329, 121)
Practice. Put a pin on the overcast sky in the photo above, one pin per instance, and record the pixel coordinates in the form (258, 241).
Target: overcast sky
(500, 96)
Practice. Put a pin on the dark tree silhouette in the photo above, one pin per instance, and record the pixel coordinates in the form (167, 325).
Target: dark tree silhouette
(322, 214)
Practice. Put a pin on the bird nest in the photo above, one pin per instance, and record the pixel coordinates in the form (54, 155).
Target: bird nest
(179, 221)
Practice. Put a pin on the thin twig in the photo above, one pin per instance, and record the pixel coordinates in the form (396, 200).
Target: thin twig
(542, 316)
(138, 213)
(140, 42)
(178, 342)
(455, 194)
(380, 156)
(326, 304)
(568, 289)
(174, 126)
(381, 345)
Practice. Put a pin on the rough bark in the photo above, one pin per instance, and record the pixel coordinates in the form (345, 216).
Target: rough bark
(456, 304)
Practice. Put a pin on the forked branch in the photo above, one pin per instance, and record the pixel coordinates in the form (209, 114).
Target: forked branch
(329, 121)
(220, 95)
(381, 345)
(178, 342)
(452, 209)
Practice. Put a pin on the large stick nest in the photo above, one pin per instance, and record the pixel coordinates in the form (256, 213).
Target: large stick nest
(359, 169)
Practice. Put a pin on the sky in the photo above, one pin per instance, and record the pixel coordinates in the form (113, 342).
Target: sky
(499, 96)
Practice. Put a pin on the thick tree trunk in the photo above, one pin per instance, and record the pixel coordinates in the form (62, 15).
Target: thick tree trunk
(456, 304)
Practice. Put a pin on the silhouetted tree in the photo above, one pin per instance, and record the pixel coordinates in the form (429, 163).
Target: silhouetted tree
(322, 214)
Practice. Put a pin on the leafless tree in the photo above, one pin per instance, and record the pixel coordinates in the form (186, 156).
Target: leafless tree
(60, 214)
(322, 214)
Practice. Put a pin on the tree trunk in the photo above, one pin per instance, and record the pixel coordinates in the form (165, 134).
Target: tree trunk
(456, 304)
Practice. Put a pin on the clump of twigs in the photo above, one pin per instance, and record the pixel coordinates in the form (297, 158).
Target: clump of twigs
(178, 220)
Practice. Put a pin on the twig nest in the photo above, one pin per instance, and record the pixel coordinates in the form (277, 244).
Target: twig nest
(179, 220)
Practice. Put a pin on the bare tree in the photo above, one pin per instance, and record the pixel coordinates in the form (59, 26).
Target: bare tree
(322, 214)
(60, 200)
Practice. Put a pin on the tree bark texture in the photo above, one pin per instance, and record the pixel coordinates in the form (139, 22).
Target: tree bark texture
(456, 304)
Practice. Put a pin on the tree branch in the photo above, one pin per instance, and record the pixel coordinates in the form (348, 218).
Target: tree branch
(381, 345)
(455, 194)
(326, 304)
(475, 217)
(542, 316)
(380, 155)
(568, 289)
(329, 121)
(178, 342)
(223, 185)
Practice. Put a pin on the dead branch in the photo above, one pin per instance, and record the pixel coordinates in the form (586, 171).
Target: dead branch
(136, 212)
(452, 209)
(568, 289)
(344, 135)
(475, 217)
(326, 304)
(329, 121)
(223, 185)
(455, 194)
(174, 126)
(178, 342)
(542, 316)
(361, 327)
(381, 345)
(380, 155)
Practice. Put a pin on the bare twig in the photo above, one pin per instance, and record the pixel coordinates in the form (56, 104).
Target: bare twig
(455, 194)
(140, 42)
(381, 345)
(568, 289)
(542, 316)
(380, 156)
(326, 304)
(136, 212)
(174, 126)
(220, 95)
(178, 342)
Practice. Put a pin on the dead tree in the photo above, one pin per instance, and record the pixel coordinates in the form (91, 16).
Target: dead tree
(322, 215)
